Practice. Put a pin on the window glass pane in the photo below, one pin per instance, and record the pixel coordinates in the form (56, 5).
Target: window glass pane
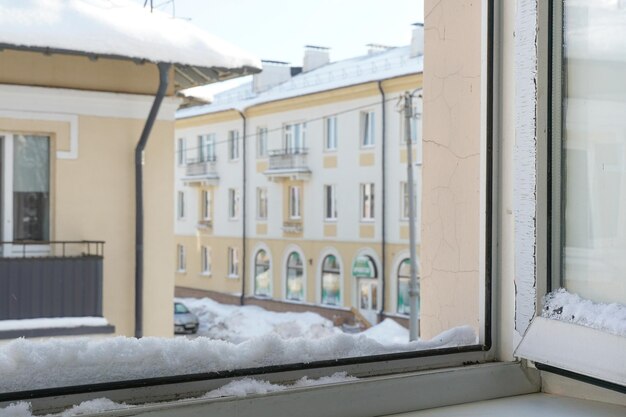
(594, 150)
(31, 185)
(295, 272)
(262, 279)
(331, 289)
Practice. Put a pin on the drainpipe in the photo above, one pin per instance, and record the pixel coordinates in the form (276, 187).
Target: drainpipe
(139, 162)
(383, 249)
(244, 236)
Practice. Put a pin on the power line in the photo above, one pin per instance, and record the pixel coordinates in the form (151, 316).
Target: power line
(316, 119)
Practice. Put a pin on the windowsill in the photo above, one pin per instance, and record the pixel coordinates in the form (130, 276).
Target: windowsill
(261, 220)
(368, 221)
(330, 220)
(367, 147)
(181, 271)
(575, 348)
(233, 219)
(205, 274)
(233, 277)
(57, 331)
(334, 150)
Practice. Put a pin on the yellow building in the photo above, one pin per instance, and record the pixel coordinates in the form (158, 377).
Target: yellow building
(87, 113)
(291, 188)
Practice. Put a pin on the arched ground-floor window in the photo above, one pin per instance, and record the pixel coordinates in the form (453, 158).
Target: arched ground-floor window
(295, 277)
(331, 281)
(262, 279)
(365, 272)
(404, 279)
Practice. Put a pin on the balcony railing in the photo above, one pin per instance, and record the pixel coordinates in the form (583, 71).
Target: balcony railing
(202, 169)
(51, 279)
(288, 163)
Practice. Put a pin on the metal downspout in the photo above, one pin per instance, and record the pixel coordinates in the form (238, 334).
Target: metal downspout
(244, 235)
(139, 162)
(383, 200)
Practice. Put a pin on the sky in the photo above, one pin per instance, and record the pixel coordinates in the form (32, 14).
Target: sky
(278, 29)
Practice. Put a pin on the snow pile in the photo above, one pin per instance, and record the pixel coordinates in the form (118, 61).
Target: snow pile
(387, 331)
(237, 324)
(115, 27)
(49, 323)
(239, 388)
(31, 364)
(561, 305)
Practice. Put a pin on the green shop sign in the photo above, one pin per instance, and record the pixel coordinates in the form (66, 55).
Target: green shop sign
(363, 268)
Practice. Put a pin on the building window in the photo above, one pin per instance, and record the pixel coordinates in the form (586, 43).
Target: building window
(294, 202)
(207, 196)
(295, 277)
(330, 124)
(330, 203)
(233, 145)
(205, 261)
(180, 151)
(262, 279)
(404, 279)
(331, 281)
(404, 200)
(25, 201)
(181, 258)
(367, 128)
(367, 201)
(206, 148)
(180, 204)
(233, 203)
(365, 273)
(261, 203)
(295, 135)
(261, 142)
(233, 263)
(414, 125)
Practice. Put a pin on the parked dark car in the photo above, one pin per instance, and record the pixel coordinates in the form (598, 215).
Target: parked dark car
(184, 320)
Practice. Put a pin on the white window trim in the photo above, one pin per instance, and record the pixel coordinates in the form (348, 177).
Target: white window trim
(257, 248)
(233, 144)
(334, 204)
(205, 272)
(181, 205)
(261, 131)
(207, 203)
(232, 271)
(288, 250)
(365, 117)
(181, 259)
(258, 204)
(295, 209)
(326, 136)
(362, 202)
(233, 204)
(181, 152)
(318, 277)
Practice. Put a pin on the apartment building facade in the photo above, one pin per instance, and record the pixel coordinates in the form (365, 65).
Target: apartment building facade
(293, 188)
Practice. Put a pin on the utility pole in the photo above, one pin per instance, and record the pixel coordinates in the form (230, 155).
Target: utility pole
(413, 286)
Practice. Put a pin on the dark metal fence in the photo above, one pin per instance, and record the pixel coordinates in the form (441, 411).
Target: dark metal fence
(64, 281)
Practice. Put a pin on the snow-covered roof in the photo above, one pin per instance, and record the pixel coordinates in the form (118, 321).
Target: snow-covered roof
(119, 29)
(394, 62)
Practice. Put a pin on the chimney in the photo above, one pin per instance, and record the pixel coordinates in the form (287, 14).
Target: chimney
(376, 48)
(417, 40)
(315, 57)
(273, 73)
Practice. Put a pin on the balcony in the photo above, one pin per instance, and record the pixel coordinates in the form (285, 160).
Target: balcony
(201, 171)
(50, 280)
(288, 164)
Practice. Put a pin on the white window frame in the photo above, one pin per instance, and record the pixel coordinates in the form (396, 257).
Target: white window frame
(261, 203)
(295, 202)
(330, 204)
(367, 214)
(180, 151)
(181, 258)
(233, 145)
(206, 147)
(233, 262)
(261, 142)
(233, 204)
(561, 345)
(368, 129)
(294, 138)
(180, 205)
(330, 134)
(205, 261)
(207, 202)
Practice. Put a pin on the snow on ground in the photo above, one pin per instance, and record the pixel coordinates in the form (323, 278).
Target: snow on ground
(49, 323)
(235, 337)
(564, 306)
(239, 388)
(237, 324)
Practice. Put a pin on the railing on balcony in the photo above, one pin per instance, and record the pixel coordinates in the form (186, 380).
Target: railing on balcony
(51, 279)
(201, 169)
(287, 162)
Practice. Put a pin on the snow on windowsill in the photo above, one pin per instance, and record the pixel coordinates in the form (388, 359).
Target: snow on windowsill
(52, 323)
(564, 306)
(239, 388)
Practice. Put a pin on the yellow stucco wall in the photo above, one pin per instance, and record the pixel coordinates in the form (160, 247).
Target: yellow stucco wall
(451, 168)
(77, 72)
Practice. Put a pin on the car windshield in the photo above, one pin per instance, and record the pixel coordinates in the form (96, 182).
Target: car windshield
(180, 309)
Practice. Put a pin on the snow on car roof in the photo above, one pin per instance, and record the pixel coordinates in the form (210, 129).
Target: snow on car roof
(115, 28)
